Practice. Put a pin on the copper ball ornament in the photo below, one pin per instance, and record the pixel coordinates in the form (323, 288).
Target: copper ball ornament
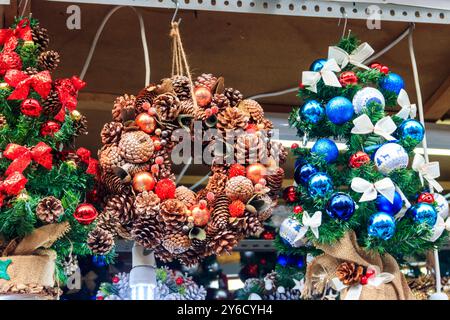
(201, 215)
(143, 181)
(203, 96)
(256, 172)
(146, 122)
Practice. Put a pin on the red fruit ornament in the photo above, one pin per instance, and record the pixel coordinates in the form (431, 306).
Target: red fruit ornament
(298, 209)
(236, 208)
(146, 122)
(31, 108)
(201, 214)
(143, 181)
(165, 189)
(179, 281)
(85, 213)
(290, 194)
(426, 197)
(203, 96)
(382, 68)
(294, 146)
(156, 143)
(50, 128)
(236, 170)
(115, 279)
(348, 77)
(358, 159)
(251, 128)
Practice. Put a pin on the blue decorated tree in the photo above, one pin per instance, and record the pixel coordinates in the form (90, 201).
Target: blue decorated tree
(363, 198)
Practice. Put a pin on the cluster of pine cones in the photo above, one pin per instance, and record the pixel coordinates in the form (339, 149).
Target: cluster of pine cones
(176, 222)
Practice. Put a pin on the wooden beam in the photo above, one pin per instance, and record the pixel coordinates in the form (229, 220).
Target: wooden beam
(439, 103)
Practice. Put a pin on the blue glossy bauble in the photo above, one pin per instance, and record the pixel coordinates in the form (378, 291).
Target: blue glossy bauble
(390, 156)
(411, 129)
(99, 261)
(299, 162)
(327, 148)
(381, 225)
(392, 82)
(364, 97)
(312, 112)
(339, 110)
(303, 173)
(423, 213)
(319, 185)
(317, 65)
(340, 206)
(282, 260)
(383, 204)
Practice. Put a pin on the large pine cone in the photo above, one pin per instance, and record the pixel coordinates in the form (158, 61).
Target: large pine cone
(239, 188)
(110, 158)
(144, 99)
(220, 214)
(111, 132)
(40, 37)
(231, 119)
(134, 168)
(165, 169)
(100, 241)
(49, 60)
(173, 212)
(80, 126)
(123, 103)
(251, 148)
(114, 184)
(51, 105)
(146, 204)
(268, 125)
(253, 227)
(176, 243)
(185, 195)
(182, 87)
(217, 182)
(254, 109)
(234, 96)
(187, 107)
(224, 241)
(275, 182)
(190, 258)
(136, 146)
(49, 209)
(220, 101)
(163, 255)
(206, 80)
(167, 106)
(349, 273)
(146, 231)
(121, 206)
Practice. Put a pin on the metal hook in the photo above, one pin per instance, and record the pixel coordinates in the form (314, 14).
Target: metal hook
(177, 6)
(344, 15)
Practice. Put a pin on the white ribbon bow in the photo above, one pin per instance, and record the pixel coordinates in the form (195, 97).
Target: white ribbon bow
(370, 190)
(310, 222)
(428, 171)
(327, 74)
(408, 110)
(354, 292)
(438, 228)
(384, 128)
(356, 58)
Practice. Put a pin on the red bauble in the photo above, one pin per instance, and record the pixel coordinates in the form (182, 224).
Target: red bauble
(85, 213)
(203, 96)
(364, 280)
(382, 68)
(143, 181)
(236, 208)
(236, 170)
(256, 172)
(165, 189)
(294, 146)
(426, 197)
(115, 279)
(50, 128)
(358, 159)
(201, 215)
(146, 122)
(290, 194)
(298, 209)
(31, 108)
(179, 281)
(348, 77)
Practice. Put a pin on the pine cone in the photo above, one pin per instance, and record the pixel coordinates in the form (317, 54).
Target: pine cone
(349, 273)
(108, 221)
(200, 114)
(114, 184)
(100, 241)
(80, 126)
(231, 119)
(263, 215)
(163, 255)
(216, 183)
(224, 241)
(3, 121)
(165, 169)
(123, 103)
(199, 246)
(30, 71)
(111, 132)
(239, 188)
(51, 105)
(136, 146)
(167, 106)
(278, 151)
(147, 231)
(185, 195)
(254, 108)
(49, 209)
(173, 213)
(110, 158)
(206, 80)
(275, 182)
(40, 37)
(146, 204)
(49, 60)
(220, 213)
(187, 107)
(251, 148)
(220, 101)
(189, 258)
(182, 87)
(234, 96)
(253, 227)
(121, 206)
(144, 99)
(176, 243)
(134, 168)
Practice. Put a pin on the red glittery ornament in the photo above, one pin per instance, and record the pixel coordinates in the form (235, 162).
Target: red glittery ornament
(236, 170)
(85, 213)
(9, 60)
(179, 281)
(382, 68)
(348, 77)
(290, 194)
(165, 189)
(358, 159)
(31, 108)
(99, 298)
(426, 197)
(49, 128)
(203, 96)
(298, 209)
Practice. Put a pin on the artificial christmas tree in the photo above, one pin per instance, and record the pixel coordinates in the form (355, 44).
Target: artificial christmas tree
(43, 222)
(363, 206)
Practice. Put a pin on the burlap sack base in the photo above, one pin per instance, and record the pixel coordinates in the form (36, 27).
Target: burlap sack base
(47, 293)
(347, 249)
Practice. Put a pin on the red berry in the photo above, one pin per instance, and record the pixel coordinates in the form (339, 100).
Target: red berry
(99, 298)
(298, 209)
(384, 69)
(364, 280)
(294, 146)
(115, 279)
(370, 273)
(179, 281)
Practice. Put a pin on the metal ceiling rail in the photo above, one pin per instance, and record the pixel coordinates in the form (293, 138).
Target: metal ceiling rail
(418, 11)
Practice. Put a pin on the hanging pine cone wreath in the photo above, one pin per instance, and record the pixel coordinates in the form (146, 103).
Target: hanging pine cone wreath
(175, 221)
